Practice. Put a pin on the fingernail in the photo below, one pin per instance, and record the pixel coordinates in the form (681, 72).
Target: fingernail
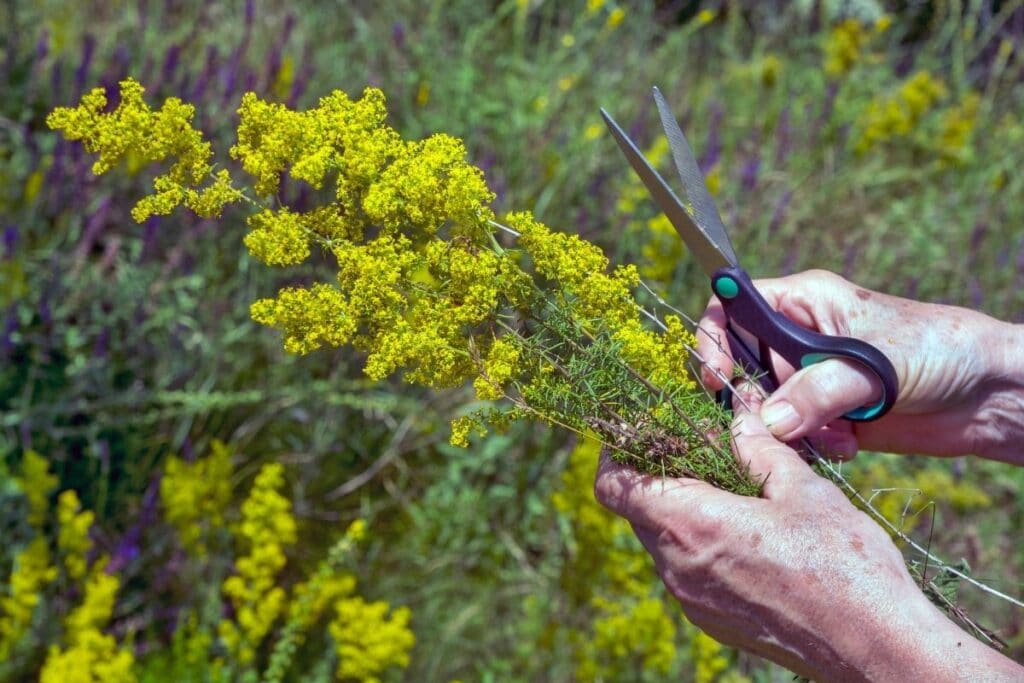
(780, 417)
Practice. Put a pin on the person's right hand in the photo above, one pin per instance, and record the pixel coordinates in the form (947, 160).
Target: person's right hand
(961, 373)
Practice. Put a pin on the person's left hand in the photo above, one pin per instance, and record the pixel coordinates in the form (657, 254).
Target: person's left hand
(798, 576)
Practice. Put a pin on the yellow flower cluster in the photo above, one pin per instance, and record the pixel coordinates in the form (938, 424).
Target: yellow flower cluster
(33, 570)
(132, 128)
(956, 129)
(367, 640)
(427, 185)
(36, 482)
(423, 286)
(309, 318)
(661, 357)
(628, 637)
(267, 528)
(498, 369)
(889, 117)
(708, 657)
(606, 551)
(461, 427)
(662, 249)
(340, 135)
(91, 656)
(845, 43)
(32, 574)
(73, 533)
(578, 267)
(195, 495)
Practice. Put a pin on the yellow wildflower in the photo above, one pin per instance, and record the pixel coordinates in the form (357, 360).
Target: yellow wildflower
(708, 657)
(368, 641)
(73, 533)
(36, 482)
(615, 17)
(461, 426)
(133, 129)
(91, 656)
(662, 250)
(312, 598)
(428, 184)
(32, 573)
(95, 658)
(266, 529)
(310, 318)
(498, 368)
(843, 46)
(956, 129)
(278, 238)
(195, 495)
(629, 636)
(891, 117)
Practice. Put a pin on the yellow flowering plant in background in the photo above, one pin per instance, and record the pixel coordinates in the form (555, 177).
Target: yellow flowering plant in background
(429, 283)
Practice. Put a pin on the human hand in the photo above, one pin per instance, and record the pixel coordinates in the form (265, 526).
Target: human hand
(961, 373)
(798, 576)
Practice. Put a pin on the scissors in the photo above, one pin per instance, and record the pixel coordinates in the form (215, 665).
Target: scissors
(701, 228)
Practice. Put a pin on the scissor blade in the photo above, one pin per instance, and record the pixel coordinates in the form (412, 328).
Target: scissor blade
(705, 212)
(706, 250)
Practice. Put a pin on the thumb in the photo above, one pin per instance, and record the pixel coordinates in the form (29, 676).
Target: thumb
(818, 394)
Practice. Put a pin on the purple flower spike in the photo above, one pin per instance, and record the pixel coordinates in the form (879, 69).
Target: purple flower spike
(779, 214)
(250, 12)
(10, 327)
(170, 63)
(977, 293)
(302, 79)
(748, 175)
(43, 45)
(206, 74)
(82, 72)
(45, 313)
(99, 347)
(713, 146)
(783, 138)
(977, 238)
(11, 235)
(398, 35)
(56, 76)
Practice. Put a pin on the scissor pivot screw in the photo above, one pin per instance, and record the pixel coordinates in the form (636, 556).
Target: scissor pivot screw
(726, 287)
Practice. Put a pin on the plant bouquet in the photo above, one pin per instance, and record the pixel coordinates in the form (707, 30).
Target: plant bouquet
(430, 283)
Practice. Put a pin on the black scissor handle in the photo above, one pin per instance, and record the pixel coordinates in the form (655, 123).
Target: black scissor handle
(744, 306)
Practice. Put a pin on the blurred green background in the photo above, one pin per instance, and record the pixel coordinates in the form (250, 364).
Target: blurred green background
(882, 141)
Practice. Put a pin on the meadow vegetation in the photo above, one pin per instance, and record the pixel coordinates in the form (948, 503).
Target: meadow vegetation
(186, 498)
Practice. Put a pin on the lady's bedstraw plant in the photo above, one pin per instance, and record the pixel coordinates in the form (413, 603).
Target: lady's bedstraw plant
(424, 286)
